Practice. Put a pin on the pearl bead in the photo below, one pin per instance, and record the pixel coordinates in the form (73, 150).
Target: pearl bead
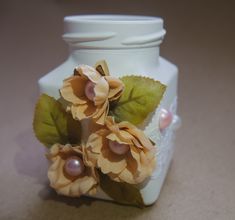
(117, 148)
(176, 122)
(89, 90)
(74, 166)
(165, 119)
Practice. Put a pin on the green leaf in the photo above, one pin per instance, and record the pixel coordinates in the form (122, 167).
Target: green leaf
(141, 96)
(52, 124)
(122, 193)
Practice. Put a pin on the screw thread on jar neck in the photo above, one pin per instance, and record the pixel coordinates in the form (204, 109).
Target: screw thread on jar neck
(115, 38)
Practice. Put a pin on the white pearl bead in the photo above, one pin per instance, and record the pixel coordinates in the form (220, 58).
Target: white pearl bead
(176, 122)
(89, 90)
(165, 119)
(117, 148)
(74, 166)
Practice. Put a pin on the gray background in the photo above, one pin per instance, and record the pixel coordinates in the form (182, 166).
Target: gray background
(200, 40)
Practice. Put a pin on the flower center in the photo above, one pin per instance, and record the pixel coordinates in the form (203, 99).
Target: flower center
(74, 166)
(89, 90)
(118, 148)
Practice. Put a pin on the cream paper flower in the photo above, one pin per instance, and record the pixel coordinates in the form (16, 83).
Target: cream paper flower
(89, 92)
(62, 181)
(122, 151)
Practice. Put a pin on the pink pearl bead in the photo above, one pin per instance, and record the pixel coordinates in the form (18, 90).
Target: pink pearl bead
(117, 148)
(89, 90)
(74, 166)
(165, 119)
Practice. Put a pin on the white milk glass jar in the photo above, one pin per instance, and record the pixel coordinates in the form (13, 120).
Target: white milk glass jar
(129, 45)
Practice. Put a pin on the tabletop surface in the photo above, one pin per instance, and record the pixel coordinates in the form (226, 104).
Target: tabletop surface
(200, 40)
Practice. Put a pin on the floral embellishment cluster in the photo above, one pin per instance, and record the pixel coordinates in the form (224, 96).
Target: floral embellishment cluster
(116, 155)
(89, 92)
(122, 151)
(70, 173)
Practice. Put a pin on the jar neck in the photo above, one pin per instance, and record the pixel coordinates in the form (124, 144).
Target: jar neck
(126, 61)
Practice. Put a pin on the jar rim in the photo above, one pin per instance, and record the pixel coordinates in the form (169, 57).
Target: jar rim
(108, 18)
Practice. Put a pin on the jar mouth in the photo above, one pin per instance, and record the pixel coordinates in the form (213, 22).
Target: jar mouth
(106, 18)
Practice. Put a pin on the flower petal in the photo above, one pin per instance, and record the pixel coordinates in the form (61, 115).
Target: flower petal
(83, 111)
(102, 67)
(127, 176)
(101, 113)
(82, 185)
(141, 138)
(108, 166)
(73, 89)
(110, 162)
(95, 143)
(89, 72)
(56, 175)
(101, 91)
(114, 137)
(116, 87)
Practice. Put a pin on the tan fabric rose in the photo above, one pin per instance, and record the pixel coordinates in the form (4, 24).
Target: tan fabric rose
(132, 167)
(102, 89)
(64, 184)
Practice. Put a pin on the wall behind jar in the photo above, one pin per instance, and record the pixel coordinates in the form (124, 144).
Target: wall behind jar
(200, 40)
